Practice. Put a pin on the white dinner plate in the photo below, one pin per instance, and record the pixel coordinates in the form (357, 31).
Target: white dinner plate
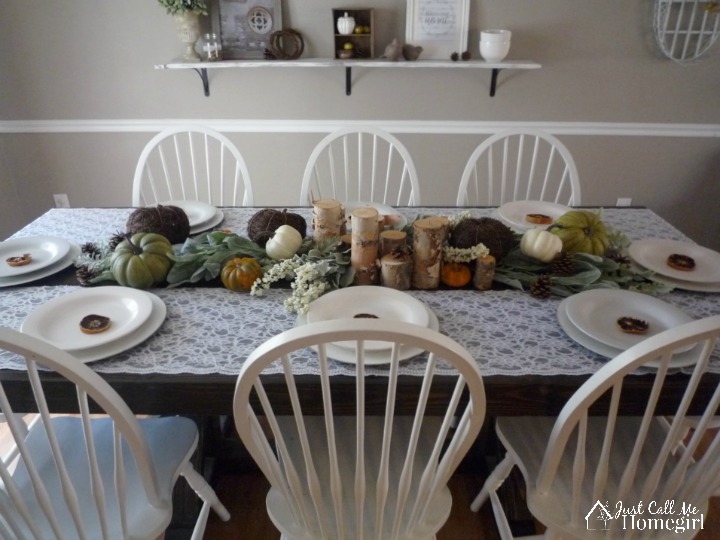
(392, 218)
(374, 301)
(680, 360)
(58, 320)
(198, 213)
(373, 358)
(595, 312)
(515, 212)
(213, 222)
(44, 250)
(154, 322)
(653, 254)
(54, 268)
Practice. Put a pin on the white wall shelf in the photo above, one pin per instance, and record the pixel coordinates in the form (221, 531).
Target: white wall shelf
(202, 67)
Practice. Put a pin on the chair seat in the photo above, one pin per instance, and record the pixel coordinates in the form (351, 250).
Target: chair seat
(144, 521)
(345, 434)
(525, 438)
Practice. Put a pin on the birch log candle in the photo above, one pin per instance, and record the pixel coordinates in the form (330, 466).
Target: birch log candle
(364, 247)
(392, 240)
(428, 239)
(328, 219)
(484, 272)
(396, 270)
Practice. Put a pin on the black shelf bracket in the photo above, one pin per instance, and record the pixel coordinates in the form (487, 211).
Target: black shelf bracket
(205, 82)
(348, 80)
(493, 81)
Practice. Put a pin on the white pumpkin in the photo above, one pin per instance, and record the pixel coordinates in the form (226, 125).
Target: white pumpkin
(284, 244)
(540, 244)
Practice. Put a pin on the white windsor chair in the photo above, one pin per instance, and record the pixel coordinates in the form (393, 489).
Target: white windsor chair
(192, 163)
(358, 476)
(575, 460)
(361, 165)
(513, 165)
(87, 477)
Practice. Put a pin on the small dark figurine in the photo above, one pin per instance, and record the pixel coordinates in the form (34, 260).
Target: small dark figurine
(393, 51)
(411, 52)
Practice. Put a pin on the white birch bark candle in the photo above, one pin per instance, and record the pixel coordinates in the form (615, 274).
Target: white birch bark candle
(364, 247)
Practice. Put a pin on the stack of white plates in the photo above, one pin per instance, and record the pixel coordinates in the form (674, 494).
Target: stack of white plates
(374, 302)
(135, 315)
(49, 254)
(652, 254)
(515, 213)
(202, 216)
(590, 319)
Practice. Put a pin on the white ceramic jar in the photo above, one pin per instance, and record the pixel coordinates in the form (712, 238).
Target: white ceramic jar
(495, 44)
(346, 24)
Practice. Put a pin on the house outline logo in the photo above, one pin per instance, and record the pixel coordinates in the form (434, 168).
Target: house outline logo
(599, 512)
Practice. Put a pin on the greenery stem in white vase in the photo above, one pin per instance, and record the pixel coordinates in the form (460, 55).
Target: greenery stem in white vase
(187, 18)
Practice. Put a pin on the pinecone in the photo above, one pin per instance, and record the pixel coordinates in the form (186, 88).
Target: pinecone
(465, 55)
(563, 264)
(84, 275)
(118, 237)
(454, 57)
(540, 288)
(91, 248)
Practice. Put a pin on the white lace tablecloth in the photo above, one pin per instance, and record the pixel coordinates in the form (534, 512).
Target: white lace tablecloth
(211, 330)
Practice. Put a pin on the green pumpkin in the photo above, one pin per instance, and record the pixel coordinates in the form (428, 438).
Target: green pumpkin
(141, 260)
(581, 232)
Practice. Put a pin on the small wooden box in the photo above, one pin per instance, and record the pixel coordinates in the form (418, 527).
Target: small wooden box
(363, 43)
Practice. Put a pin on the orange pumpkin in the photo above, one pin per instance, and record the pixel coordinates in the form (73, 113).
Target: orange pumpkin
(239, 274)
(455, 274)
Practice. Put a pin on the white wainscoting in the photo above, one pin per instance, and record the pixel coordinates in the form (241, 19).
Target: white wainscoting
(394, 126)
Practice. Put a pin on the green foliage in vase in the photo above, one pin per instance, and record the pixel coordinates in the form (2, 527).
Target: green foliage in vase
(177, 7)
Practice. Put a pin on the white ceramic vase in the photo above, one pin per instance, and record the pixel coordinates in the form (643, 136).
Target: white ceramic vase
(346, 24)
(494, 44)
(188, 29)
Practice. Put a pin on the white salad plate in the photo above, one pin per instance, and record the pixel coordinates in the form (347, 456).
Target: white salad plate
(152, 325)
(653, 254)
(54, 268)
(197, 212)
(680, 360)
(595, 312)
(392, 218)
(373, 357)
(44, 250)
(58, 321)
(369, 301)
(202, 216)
(515, 212)
(213, 222)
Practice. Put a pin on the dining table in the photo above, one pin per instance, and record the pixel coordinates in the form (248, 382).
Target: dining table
(190, 363)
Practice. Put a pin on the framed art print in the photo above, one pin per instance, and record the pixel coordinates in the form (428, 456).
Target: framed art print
(440, 27)
(245, 26)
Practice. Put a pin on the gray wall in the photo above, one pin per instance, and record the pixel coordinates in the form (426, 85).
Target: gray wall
(79, 98)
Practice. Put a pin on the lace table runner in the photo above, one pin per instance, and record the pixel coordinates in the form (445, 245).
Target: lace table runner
(211, 330)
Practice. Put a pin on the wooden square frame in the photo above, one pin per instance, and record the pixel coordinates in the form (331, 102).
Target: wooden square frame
(245, 27)
(440, 27)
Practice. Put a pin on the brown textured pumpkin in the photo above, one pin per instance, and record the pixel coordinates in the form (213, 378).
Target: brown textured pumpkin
(495, 235)
(264, 223)
(169, 221)
(240, 273)
(455, 274)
